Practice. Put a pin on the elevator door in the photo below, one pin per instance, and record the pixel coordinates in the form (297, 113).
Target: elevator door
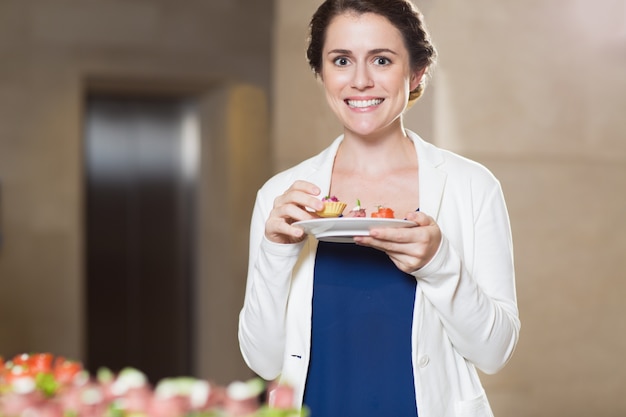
(141, 165)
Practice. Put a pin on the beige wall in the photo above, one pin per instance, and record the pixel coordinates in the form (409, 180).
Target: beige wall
(51, 54)
(534, 90)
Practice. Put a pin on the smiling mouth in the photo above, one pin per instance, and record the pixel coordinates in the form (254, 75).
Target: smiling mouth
(360, 104)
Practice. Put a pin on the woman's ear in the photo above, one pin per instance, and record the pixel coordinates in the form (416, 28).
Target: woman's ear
(416, 78)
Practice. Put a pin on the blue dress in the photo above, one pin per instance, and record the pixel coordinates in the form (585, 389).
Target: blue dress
(360, 335)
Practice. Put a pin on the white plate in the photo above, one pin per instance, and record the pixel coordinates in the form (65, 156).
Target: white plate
(343, 229)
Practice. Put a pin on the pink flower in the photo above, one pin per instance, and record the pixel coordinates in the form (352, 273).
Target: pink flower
(169, 407)
(136, 400)
(14, 404)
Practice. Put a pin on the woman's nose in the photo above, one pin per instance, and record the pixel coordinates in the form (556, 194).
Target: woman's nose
(362, 78)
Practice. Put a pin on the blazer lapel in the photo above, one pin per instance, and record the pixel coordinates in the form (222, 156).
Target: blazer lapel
(323, 167)
(432, 179)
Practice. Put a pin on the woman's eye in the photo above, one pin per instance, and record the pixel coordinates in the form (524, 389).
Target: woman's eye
(382, 61)
(341, 61)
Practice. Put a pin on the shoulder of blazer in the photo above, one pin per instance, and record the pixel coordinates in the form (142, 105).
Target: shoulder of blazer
(426, 152)
(449, 161)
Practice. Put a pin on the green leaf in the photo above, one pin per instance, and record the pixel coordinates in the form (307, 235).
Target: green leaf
(46, 383)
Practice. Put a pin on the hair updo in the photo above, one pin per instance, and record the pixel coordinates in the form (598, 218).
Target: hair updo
(401, 13)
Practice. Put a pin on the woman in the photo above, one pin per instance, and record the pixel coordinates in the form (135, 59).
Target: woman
(397, 323)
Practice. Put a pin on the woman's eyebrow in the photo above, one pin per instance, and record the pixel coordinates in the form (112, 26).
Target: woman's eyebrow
(372, 52)
(382, 50)
(339, 52)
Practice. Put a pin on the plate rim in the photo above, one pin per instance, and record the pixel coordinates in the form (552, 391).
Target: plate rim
(345, 234)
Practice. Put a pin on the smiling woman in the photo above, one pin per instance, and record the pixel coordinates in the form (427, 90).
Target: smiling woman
(366, 71)
(391, 320)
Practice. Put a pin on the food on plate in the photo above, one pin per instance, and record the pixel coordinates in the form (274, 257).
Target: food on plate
(332, 207)
(383, 213)
(357, 211)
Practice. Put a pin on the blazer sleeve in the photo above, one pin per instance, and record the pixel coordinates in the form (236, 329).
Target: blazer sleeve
(474, 293)
(263, 316)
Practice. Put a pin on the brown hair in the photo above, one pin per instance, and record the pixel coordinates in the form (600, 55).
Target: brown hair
(401, 13)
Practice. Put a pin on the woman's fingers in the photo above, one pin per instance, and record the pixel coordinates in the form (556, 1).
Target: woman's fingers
(409, 248)
(293, 205)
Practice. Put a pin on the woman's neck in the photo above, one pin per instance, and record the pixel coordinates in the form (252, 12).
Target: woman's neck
(374, 155)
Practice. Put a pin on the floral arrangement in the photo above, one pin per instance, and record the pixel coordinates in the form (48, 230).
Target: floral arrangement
(42, 385)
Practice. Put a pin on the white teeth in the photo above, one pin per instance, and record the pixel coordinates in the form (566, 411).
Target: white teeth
(364, 103)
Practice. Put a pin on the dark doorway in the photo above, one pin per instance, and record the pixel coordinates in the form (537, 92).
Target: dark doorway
(141, 169)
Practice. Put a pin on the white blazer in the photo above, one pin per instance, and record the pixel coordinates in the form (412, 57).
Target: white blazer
(465, 314)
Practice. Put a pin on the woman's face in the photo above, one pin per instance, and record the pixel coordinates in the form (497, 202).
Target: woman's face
(366, 72)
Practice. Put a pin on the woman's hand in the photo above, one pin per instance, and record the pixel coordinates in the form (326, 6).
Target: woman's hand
(409, 248)
(291, 207)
